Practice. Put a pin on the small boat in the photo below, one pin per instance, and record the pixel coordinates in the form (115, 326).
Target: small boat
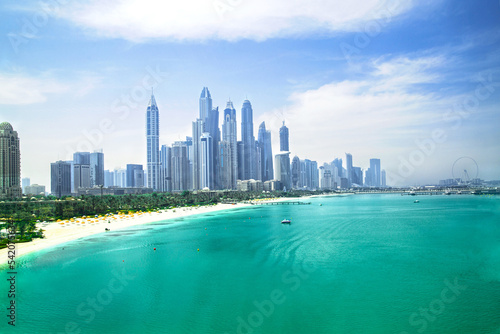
(286, 221)
(320, 204)
(416, 201)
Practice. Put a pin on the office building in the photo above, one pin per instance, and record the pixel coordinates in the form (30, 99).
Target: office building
(135, 176)
(166, 168)
(180, 166)
(25, 182)
(206, 162)
(348, 162)
(282, 165)
(60, 178)
(229, 172)
(81, 176)
(247, 169)
(375, 172)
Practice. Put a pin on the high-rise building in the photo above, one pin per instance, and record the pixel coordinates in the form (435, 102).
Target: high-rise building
(153, 143)
(296, 173)
(60, 178)
(248, 162)
(109, 178)
(348, 162)
(166, 168)
(212, 128)
(284, 145)
(383, 177)
(96, 169)
(325, 178)
(266, 153)
(206, 161)
(314, 175)
(25, 182)
(205, 104)
(10, 162)
(229, 135)
(81, 176)
(120, 177)
(135, 176)
(35, 189)
(375, 172)
(81, 158)
(357, 176)
(198, 129)
(180, 166)
(282, 165)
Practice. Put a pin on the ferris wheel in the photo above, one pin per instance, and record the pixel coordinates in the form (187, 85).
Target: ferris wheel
(464, 170)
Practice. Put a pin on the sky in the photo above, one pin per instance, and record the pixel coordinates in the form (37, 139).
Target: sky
(413, 83)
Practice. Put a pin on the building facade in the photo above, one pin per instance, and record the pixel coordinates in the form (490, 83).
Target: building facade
(10, 162)
(153, 143)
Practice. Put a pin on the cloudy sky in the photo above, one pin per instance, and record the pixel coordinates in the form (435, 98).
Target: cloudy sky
(414, 83)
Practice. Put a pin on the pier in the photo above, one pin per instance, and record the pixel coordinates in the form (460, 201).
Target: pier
(282, 203)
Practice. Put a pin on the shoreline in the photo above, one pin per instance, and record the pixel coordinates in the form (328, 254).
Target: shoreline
(57, 233)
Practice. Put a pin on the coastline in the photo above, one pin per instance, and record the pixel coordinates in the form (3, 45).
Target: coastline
(57, 233)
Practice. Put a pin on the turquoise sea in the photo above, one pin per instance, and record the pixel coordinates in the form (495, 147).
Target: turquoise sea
(355, 264)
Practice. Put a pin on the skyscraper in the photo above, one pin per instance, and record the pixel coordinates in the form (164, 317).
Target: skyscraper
(25, 182)
(60, 178)
(383, 177)
(282, 165)
(165, 168)
(206, 160)
(296, 173)
(10, 162)
(135, 176)
(153, 139)
(284, 146)
(198, 129)
(212, 127)
(248, 168)
(205, 104)
(96, 169)
(375, 172)
(229, 135)
(266, 153)
(348, 162)
(81, 176)
(180, 166)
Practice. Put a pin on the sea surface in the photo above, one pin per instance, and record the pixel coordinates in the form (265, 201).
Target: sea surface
(349, 264)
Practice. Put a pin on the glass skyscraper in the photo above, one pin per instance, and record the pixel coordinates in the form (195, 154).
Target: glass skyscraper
(266, 153)
(153, 139)
(284, 145)
(10, 162)
(248, 168)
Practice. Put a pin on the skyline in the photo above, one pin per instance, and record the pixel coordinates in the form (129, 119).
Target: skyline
(423, 83)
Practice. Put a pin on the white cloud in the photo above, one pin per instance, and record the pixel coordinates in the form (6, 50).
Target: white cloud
(139, 20)
(19, 88)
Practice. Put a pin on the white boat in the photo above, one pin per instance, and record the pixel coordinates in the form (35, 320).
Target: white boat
(286, 221)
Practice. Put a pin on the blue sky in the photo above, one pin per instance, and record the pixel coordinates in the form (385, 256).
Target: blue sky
(416, 84)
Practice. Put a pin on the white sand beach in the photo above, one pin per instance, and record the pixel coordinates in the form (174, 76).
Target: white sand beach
(63, 231)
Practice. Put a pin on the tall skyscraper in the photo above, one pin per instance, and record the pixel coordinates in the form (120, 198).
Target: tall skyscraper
(60, 178)
(383, 177)
(81, 176)
(282, 165)
(348, 162)
(357, 176)
(229, 135)
(180, 166)
(206, 160)
(96, 169)
(248, 167)
(10, 162)
(81, 158)
(212, 127)
(109, 178)
(375, 172)
(205, 104)
(166, 168)
(198, 129)
(153, 143)
(284, 145)
(296, 173)
(120, 177)
(266, 153)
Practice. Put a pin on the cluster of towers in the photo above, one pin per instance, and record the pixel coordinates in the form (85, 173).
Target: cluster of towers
(210, 158)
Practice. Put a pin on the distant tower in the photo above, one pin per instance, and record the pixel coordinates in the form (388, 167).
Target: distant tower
(229, 171)
(348, 163)
(375, 172)
(205, 104)
(248, 167)
(96, 169)
(284, 147)
(153, 139)
(206, 160)
(10, 162)
(60, 178)
(266, 160)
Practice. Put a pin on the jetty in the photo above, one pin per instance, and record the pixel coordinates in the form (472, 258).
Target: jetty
(282, 203)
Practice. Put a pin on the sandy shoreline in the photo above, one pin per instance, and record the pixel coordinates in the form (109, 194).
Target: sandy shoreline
(57, 233)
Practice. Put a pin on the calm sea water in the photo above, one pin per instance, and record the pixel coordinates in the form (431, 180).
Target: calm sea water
(355, 264)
